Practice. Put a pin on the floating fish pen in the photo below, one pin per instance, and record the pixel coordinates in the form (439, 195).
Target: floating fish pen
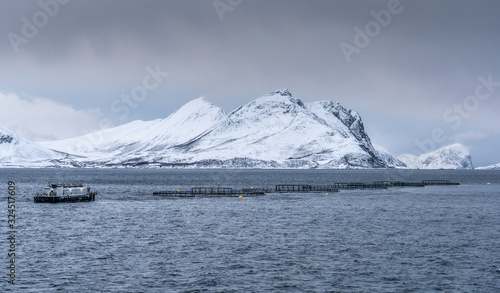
(399, 184)
(354, 186)
(69, 192)
(439, 182)
(262, 190)
(297, 188)
(210, 192)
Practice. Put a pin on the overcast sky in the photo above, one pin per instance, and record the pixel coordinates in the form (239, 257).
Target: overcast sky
(422, 74)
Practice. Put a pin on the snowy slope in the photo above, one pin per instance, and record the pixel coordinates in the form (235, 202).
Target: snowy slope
(274, 131)
(385, 155)
(192, 120)
(17, 151)
(491, 167)
(455, 156)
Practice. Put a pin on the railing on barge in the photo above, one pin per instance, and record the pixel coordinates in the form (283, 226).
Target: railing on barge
(65, 198)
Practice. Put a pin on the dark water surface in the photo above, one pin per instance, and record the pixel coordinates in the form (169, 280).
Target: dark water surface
(442, 238)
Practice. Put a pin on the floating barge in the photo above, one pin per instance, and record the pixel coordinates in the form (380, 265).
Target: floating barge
(210, 192)
(69, 192)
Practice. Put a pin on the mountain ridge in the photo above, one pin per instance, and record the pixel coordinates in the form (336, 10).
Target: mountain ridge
(276, 130)
(490, 167)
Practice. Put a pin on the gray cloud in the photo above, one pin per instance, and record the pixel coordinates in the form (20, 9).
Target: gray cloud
(423, 63)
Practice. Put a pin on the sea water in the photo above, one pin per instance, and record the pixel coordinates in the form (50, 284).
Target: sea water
(439, 238)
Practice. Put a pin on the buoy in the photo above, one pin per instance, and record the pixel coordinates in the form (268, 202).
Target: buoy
(488, 183)
(178, 191)
(251, 187)
(384, 189)
(326, 193)
(241, 196)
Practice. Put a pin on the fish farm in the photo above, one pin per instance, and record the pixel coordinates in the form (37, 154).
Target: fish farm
(295, 188)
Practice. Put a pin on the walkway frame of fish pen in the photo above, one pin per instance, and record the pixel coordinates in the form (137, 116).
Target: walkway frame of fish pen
(399, 184)
(209, 191)
(212, 190)
(439, 182)
(351, 186)
(284, 188)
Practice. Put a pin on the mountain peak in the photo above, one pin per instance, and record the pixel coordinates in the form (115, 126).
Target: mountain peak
(458, 148)
(197, 107)
(196, 104)
(277, 98)
(281, 92)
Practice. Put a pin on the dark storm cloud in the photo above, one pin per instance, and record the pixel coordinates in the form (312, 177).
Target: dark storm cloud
(424, 62)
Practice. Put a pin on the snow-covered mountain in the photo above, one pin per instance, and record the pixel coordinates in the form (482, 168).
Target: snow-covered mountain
(17, 151)
(491, 167)
(274, 131)
(455, 156)
(281, 131)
